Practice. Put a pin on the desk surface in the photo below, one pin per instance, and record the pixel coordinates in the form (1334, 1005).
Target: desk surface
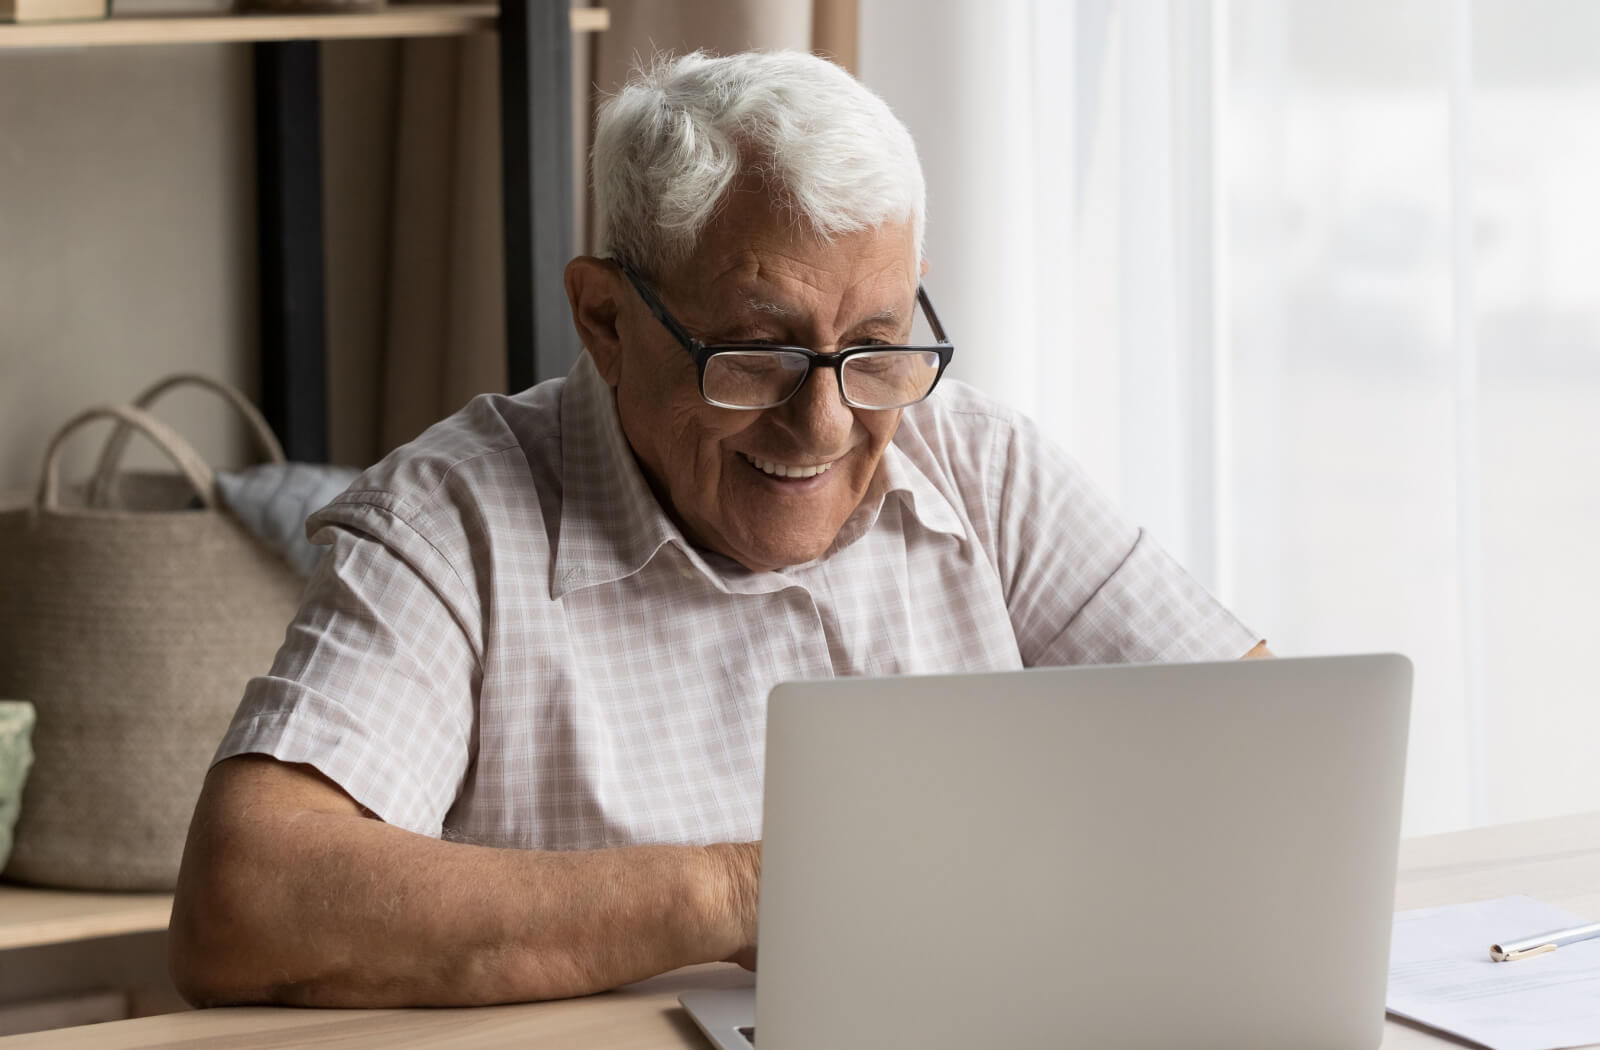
(1554, 860)
(32, 917)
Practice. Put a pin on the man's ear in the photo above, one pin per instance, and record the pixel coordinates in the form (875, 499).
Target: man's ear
(593, 286)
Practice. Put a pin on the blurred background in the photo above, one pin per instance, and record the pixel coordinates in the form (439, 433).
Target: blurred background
(1312, 289)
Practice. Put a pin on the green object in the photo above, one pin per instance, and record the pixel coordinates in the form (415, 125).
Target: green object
(16, 755)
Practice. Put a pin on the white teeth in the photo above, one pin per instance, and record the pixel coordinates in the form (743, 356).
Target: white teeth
(779, 470)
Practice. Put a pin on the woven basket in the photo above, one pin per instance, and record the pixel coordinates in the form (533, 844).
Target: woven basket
(133, 631)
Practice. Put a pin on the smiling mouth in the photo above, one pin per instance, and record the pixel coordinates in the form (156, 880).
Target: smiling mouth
(781, 470)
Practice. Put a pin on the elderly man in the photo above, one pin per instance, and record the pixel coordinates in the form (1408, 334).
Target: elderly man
(512, 745)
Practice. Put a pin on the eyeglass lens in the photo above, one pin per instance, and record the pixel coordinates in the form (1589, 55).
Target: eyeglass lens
(874, 379)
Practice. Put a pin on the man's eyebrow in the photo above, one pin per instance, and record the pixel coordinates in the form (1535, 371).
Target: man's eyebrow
(891, 315)
(771, 309)
(785, 313)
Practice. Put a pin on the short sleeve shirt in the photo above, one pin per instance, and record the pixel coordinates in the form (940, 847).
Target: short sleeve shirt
(509, 642)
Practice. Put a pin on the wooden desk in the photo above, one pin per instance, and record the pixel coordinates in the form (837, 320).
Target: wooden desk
(69, 957)
(30, 917)
(1555, 860)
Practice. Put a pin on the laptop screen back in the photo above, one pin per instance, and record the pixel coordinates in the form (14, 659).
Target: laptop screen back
(1185, 855)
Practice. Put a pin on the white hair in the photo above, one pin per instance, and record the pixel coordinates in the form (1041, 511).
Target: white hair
(668, 146)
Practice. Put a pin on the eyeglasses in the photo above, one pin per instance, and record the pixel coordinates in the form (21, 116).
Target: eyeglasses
(761, 375)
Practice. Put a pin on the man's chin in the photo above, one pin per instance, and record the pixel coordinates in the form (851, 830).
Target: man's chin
(775, 533)
(769, 556)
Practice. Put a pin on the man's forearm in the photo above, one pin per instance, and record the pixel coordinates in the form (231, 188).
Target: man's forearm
(318, 906)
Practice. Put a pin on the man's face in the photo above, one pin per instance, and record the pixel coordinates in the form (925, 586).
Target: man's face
(758, 276)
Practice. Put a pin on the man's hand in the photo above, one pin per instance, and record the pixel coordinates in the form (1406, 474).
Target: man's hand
(291, 893)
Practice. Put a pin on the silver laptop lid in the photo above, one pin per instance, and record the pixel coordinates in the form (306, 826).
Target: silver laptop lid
(1179, 855)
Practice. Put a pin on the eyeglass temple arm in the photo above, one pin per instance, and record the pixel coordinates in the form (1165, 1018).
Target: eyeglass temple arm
(659, 309)
(933, 317)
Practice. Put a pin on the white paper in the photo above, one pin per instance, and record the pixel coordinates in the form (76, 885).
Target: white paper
(1440, 975)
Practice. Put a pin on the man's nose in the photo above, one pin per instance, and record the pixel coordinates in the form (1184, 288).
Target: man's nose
(817, 414)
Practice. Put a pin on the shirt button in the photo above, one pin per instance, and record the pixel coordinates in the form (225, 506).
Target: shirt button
(686, 572)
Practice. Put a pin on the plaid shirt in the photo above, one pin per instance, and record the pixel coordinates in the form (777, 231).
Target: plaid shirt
(510, 643)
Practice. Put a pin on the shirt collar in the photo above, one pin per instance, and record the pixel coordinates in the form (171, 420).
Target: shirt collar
(612, 525)
(899, 476)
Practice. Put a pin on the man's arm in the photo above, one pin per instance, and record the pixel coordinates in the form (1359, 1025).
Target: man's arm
(1258, 652)
(290, 893)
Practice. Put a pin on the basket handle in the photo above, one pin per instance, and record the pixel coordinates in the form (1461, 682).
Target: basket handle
(117, 444)
(129, 418)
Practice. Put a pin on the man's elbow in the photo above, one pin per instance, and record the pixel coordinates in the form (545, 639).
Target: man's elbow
(233, 939)
(204, 971)
(214, 941)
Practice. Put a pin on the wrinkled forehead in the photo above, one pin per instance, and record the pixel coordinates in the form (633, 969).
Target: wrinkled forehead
(759, 253)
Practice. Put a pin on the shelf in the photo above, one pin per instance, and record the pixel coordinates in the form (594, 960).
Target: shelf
(535, 42)
(32, 917)
(406, 20)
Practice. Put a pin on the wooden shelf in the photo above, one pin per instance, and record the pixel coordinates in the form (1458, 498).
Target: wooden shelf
(403, 20)
(32, 917)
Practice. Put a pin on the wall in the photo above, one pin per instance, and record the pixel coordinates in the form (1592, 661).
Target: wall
(126, 238)
(127, 229)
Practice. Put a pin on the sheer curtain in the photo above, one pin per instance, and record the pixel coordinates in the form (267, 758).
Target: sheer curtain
(1314, 290)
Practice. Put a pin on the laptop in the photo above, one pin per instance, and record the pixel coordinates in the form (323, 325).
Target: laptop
(1194, 855)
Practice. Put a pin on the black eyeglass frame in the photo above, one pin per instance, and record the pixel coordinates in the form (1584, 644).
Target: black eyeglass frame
(704, 352)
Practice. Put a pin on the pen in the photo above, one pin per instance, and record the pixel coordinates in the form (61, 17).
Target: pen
(1511, 951)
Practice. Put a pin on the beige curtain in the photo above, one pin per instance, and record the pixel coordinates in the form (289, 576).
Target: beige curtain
(412, 200)
(415, 314)
(446, 324)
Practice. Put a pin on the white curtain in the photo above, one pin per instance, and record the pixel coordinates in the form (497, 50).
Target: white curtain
(1314, 290)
